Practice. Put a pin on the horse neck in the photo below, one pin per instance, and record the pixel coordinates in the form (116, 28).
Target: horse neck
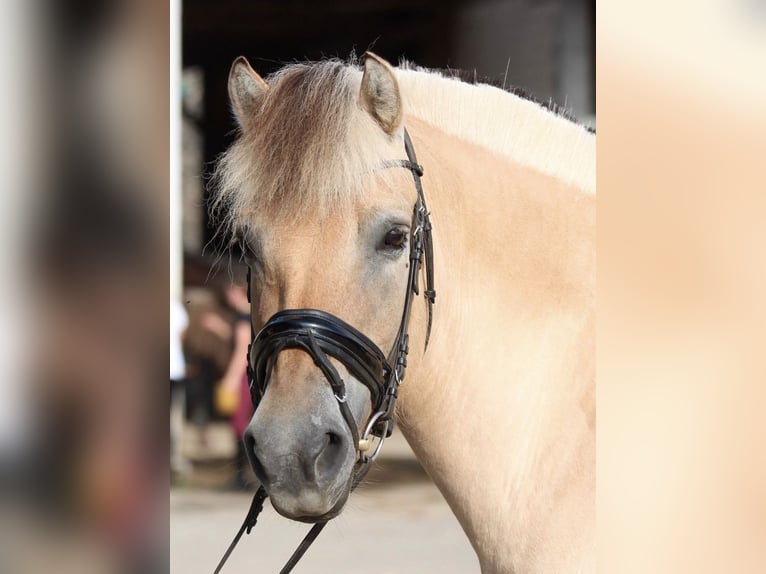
(500, 409)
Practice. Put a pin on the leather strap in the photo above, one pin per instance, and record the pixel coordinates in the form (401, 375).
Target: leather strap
(338, 386)
(428, 249)
(312, 535)
(307, 541)
(256, 506)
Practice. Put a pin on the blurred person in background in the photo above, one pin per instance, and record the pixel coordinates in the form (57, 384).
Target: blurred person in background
(207, 347)
(216, 351)
(232, 396)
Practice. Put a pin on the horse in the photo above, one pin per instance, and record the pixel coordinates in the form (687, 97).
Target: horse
(499, 404)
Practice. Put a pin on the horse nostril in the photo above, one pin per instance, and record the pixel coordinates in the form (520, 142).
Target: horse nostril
(331, 457)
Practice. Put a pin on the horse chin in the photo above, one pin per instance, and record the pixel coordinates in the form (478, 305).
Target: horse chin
(307, 508)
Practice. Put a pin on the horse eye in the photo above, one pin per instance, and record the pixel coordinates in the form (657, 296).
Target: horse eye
(395, 239)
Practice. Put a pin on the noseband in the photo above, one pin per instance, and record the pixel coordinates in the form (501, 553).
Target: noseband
(323, 336)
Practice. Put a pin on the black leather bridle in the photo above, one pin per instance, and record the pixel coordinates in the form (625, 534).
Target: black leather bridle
(323, 335)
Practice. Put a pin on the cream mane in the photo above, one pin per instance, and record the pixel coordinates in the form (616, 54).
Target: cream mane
(504, 123)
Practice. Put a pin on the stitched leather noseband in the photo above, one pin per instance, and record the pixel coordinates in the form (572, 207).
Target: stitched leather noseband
(324, 336)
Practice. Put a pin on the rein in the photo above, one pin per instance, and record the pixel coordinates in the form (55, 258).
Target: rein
(323, 335)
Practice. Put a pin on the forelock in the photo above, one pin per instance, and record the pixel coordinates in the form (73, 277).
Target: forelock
(308, 148)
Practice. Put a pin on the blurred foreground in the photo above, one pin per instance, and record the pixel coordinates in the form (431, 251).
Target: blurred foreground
(83, 323)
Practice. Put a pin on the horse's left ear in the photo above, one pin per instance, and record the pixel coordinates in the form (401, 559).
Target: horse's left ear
(379, 94)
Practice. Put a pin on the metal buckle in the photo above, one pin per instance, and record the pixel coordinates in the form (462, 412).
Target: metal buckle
(365, 442)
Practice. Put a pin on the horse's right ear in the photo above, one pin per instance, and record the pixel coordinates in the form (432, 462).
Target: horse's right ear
(379, 93)
(245, 89)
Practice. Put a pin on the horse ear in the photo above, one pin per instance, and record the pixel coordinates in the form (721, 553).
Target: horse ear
(245, 89)
(379, 93)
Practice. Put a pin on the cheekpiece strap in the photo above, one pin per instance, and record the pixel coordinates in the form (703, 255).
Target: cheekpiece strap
(417, 173)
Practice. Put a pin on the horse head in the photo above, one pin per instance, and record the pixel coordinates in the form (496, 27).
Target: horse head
(326, 227)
